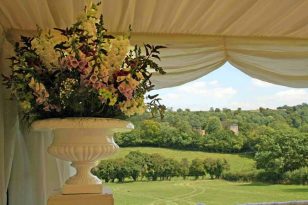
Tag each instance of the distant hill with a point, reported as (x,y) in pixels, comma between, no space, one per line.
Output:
(216,130)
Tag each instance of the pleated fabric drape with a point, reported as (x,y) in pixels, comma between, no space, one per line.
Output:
(279,61)
(258,18)
(28,174)
(267,39)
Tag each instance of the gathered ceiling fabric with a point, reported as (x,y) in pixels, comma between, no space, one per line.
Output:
(266,39)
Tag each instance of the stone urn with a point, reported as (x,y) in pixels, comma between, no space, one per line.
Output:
(83,141)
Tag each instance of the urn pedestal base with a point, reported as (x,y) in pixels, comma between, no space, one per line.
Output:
(81,199)
(82,189)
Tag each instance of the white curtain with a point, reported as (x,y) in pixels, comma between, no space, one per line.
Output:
(3,187)
(279,61)
(255,36)
(28,174)
(7,132)
(35,174)
(258,18)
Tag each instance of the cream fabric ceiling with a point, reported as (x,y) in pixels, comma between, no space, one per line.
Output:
(267,39)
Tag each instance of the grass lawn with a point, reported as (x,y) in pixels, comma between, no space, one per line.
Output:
(237,162)
(209,192)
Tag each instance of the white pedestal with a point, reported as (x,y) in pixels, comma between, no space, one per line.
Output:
(81,199)
(82,189)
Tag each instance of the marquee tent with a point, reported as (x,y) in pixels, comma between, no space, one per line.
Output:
(267,39)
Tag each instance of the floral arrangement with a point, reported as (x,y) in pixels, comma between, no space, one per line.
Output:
(82,71)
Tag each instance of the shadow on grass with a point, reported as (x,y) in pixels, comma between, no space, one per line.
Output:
(297,190)
(255,184)
(246,155)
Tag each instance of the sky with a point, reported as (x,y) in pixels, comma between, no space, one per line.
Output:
(228,87)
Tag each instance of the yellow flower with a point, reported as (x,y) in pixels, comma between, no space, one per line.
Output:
(133,106)
(44,46)
(32,83)
(121,78)
(25,105)
(139,76)
(104,92)
(113,100)
(89,26)
(117,49)
(133,83)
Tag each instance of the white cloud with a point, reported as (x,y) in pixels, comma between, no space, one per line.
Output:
(260,83)
(214,82)
(201,95)
(291,96)
(198,95)
(224,92)
(284,97)
(172,96)
(211,89)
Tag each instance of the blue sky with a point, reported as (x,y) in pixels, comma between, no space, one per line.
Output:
(228,87)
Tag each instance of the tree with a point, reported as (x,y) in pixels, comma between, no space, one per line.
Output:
(129,139)
(215,167)
(170,168)
(223,141)
(154,166)
(137,162)
(150,131)
(221,166)
(184,168)
(121,169)
(213,125)
(282,151)
(209,166)
(105,170)
(254,137)
(196,168)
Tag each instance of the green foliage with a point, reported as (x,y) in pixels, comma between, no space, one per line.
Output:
(137,165)
(269,176)
(184,168)
(223,141)
(247,176)
(282,151)
(271,137)
(238,162)
(215,167)
(196,168)
(298,176)
(181,129)
(213,125)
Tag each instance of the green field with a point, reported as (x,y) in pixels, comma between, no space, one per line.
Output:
(237,162)
(209,192)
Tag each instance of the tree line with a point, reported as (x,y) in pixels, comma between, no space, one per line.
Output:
(276,139)
(181,129)
(152,167)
